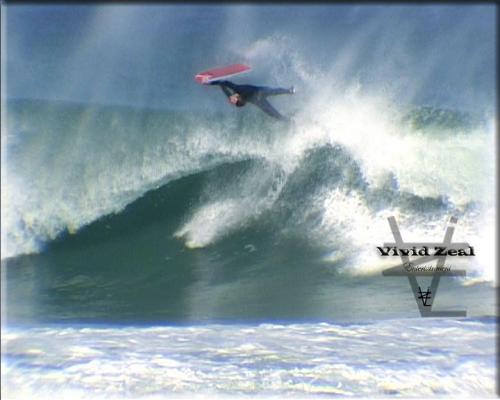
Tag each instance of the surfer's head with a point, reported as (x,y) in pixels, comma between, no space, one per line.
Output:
(237,100)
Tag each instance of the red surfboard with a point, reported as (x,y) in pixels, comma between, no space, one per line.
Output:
(219,73)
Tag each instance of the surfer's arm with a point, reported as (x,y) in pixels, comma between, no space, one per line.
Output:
(226,91)
(227,87)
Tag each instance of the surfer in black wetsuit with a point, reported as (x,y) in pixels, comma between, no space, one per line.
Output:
(239,95)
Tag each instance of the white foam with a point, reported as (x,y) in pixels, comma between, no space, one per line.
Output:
(211,221)
(421,357)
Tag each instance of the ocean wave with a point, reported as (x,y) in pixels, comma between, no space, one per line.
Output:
(337,174)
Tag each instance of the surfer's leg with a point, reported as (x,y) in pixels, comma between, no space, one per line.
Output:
(275,91)
(265,106)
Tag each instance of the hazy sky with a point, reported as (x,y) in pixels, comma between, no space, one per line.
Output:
(146,55)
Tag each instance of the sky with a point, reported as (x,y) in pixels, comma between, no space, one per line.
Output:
(146,55)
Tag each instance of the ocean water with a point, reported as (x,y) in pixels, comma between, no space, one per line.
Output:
(403,358)
(158,243)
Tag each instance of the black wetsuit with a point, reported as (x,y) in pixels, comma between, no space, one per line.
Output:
(256,95)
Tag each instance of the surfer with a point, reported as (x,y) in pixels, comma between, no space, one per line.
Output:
(239,95)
